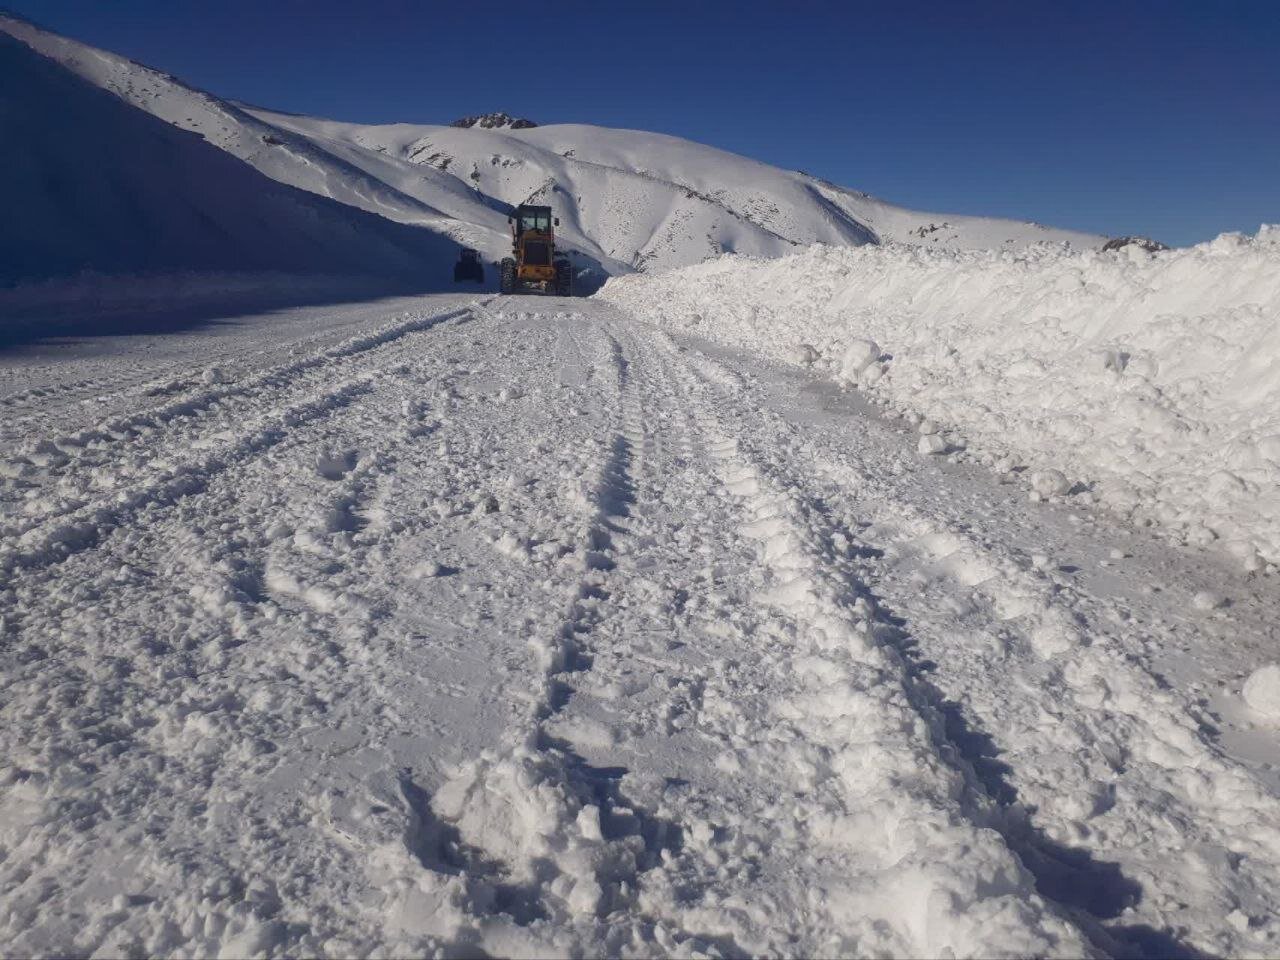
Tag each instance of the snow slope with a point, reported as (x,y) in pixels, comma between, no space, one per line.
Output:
(655,202)
(518,627)
(1151,380)
(148,198)
(628,200)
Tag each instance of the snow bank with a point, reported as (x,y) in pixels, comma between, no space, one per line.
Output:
(1149,382)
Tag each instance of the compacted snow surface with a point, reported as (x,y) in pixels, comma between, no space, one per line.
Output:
(522,627)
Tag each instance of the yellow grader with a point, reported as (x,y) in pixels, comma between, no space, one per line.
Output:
(535,266)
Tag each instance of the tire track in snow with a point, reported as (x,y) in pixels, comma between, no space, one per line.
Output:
(44,540)
(758,873)
(1099,766)
(93,456)
(1098,772)
(229,667)
(551,824)
(884,759)
(54,540)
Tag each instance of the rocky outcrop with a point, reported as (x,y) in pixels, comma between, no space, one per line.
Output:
(494,121)
(1145,243)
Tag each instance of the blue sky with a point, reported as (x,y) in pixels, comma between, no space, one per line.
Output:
(1148,117)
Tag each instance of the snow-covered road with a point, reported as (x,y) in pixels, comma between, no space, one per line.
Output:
(518,627)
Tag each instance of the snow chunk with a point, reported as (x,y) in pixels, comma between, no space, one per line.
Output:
(859,355)
(1208,600)
(1246,553)
(1049,483)
(1262,691)
(335,464)
(803,354)
(932,444)
(256,940)
(1056,633)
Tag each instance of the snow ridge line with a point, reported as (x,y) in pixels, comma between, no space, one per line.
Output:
(165,379)
(29,395)
(862,705)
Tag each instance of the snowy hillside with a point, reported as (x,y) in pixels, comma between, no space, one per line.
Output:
(628,200)
(1146,382)
(644,201)
(154,199)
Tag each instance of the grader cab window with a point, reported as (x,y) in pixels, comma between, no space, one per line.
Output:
(535,218)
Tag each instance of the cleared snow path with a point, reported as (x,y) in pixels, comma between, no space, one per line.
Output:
(517,627)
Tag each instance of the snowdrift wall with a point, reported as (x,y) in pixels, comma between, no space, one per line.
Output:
(90,183)
(1151,381)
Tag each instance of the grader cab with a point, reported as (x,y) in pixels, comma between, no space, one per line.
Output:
(534,266)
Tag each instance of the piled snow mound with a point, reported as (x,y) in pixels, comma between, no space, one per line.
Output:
(148,197)
(1151,382)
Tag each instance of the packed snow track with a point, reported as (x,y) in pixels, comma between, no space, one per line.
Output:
(518,627)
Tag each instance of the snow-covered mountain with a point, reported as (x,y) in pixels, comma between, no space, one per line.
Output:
(146,197)
(628,200)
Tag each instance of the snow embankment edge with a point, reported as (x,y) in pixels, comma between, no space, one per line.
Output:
(1150,382)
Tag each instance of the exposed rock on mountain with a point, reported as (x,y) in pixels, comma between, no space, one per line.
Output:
(1144,243)
(495,121)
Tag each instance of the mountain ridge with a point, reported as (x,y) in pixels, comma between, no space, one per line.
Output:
(628,200)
